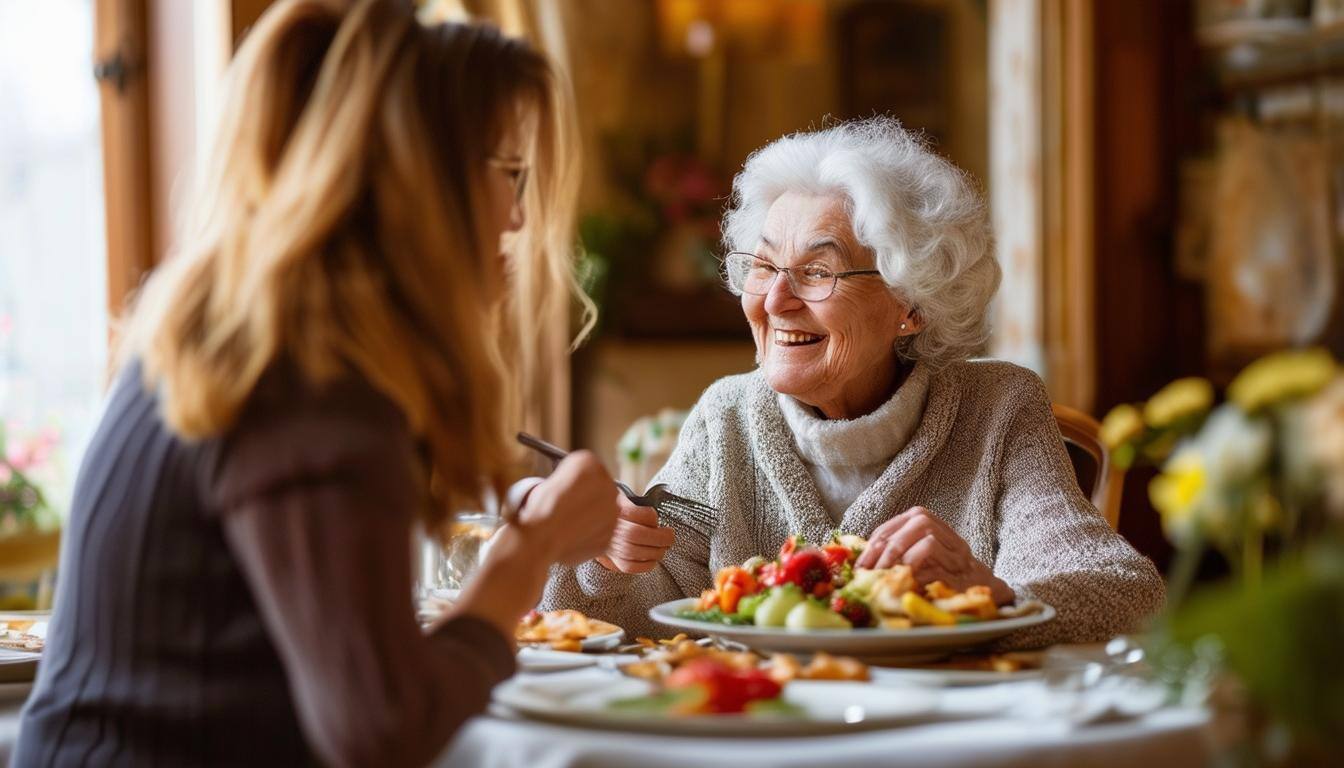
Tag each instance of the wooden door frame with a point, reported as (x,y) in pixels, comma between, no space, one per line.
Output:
(121,34)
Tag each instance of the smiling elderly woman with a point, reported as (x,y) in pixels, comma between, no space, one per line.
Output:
(865,266)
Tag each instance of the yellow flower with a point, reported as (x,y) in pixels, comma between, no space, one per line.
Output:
(1121,425)
(1178,491)
(1180,398)
(1281,376)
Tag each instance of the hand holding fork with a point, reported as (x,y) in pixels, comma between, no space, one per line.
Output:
(639,542)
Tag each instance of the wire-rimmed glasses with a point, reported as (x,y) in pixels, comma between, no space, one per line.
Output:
(814,281)
(517,170)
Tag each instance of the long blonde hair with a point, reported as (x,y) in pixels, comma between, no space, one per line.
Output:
(337,231)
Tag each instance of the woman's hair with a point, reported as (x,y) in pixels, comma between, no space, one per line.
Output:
(921,216)
(338,231)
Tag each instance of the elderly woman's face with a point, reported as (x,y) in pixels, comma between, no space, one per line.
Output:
(830,354)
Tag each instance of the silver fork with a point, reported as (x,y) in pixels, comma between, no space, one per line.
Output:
(701,516)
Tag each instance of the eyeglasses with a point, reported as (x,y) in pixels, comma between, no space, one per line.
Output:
(749,273)
(517,171)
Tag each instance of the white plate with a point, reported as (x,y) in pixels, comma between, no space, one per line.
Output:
(594,644)
(603,642)
(954,677)
(532,659)
(916,643)
(582,698)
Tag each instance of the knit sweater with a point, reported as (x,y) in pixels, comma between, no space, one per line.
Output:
(987,459)
(845,456)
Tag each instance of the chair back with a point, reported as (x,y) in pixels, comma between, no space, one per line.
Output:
(1082,430)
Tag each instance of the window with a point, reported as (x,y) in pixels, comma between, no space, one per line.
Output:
(53,272)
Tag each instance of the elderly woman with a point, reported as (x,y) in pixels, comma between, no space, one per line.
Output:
(866,269)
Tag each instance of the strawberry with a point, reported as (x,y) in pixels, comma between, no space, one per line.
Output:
(857,611)
(769,574)
(806,567)
(837,555)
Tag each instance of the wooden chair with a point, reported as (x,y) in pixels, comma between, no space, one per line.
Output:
(1082,430)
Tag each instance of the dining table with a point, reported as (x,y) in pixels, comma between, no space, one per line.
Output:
(1032,721)
(1027,720)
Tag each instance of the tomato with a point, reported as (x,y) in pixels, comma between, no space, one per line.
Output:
(727,689)
(708,599)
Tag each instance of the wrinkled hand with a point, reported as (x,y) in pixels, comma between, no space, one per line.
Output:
(638,543)
(933,551)
(573,511)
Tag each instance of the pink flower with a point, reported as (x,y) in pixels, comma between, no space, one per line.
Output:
(24,455)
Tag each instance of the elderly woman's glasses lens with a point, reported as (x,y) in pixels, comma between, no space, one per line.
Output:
(749,273)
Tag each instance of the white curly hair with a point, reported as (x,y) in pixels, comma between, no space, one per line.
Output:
(923,218)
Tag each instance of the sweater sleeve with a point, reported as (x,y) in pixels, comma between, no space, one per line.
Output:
(625,599)
(1055,547)
(318,511)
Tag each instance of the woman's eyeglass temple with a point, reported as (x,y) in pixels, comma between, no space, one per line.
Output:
(517,168)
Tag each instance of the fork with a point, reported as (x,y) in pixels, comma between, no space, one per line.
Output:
(702,516)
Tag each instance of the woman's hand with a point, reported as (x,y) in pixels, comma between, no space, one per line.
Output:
(573,511)
(638,543)
(933,551)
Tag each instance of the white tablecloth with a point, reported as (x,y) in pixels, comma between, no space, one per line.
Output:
(1167,737)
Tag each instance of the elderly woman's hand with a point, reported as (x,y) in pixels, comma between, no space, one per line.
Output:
(638,543)
(933,551)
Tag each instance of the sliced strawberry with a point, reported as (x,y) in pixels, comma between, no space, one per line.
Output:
(837,555)
(806,567)
(769,574)
(857,611)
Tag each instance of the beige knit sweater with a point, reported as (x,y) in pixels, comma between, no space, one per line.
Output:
(987,458)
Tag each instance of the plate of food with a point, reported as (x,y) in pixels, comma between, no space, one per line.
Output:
(688,688)
(814,598)
(22,637)
(567,630)
(967,669)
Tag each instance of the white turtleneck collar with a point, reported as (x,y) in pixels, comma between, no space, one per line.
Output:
(845,456)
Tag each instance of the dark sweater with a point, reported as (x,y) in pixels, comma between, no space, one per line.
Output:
(247,600)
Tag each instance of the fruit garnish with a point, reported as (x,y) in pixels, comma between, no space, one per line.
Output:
(855,610)
(812,614)
(732,584)
(778,602)
(806,567)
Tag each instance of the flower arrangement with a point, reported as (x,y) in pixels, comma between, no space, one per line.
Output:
(23,458)
(1258,479)
(658,227)
(30,532)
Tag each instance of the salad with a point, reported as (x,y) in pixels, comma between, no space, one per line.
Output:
(695,679)
(819,587)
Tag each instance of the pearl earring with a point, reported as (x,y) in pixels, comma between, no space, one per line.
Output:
(902,326)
